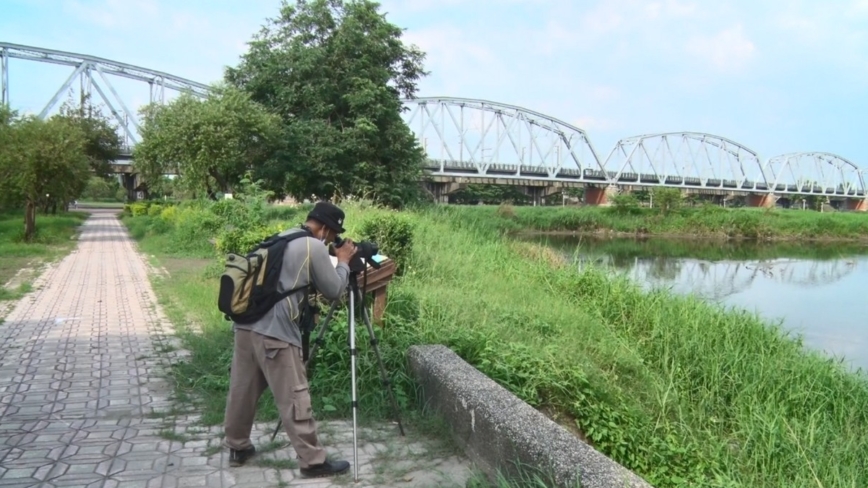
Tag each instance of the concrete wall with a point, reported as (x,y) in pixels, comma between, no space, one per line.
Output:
(497,429)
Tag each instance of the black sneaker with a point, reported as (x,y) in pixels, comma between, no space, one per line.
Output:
(328,468)
(237,458)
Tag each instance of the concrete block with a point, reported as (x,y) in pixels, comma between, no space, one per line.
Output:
(498,430)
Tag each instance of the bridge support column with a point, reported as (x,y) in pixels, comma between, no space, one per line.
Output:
(766,200)
(129,182)
(601,196)
(441,190)
(857,204)
(538,194)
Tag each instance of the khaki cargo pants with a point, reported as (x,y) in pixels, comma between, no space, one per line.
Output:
(259,361)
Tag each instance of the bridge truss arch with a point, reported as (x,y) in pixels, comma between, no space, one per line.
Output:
(466,137)
(685,160)
(94,73)
(819,173)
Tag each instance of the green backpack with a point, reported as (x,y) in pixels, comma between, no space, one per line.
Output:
(248,286)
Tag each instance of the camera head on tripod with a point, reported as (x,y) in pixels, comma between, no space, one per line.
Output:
(364,250)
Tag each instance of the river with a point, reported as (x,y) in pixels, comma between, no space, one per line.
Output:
(818,291)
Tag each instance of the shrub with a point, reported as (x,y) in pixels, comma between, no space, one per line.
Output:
(194,228)
(393,233)
(154,210)
(626,203)
(138,209)
(667,199)
(242,240)
(238,213)
(169,214)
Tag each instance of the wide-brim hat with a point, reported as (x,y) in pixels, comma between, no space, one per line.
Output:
(329,214)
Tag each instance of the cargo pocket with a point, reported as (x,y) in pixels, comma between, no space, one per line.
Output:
(301,403)
(273,346)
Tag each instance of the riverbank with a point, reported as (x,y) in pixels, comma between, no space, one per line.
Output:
(19,259)
(681,392)
(710,222)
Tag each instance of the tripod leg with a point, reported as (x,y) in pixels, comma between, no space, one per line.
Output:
(384,378)
(353,353)
(316,343)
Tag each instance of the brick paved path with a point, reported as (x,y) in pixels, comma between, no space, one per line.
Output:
(80,387)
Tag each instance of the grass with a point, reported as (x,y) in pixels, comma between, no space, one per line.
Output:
(682,392)
(54,238)
(708,221)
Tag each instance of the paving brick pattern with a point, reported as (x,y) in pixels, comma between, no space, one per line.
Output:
(82,398)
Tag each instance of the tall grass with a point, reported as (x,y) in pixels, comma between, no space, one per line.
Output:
(682,392)
(53,238)
(706,221)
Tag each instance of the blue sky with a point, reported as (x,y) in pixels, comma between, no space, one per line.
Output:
(775,76)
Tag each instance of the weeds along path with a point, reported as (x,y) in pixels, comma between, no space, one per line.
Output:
(83,402)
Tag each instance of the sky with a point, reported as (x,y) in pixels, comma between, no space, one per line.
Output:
(776,76)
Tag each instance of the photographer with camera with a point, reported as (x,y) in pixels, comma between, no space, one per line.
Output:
(268,351)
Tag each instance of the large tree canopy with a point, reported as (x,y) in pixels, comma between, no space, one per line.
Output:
(335,72)
(102,142)
(211,143)
(41,162)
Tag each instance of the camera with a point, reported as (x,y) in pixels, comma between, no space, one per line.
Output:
(364,250)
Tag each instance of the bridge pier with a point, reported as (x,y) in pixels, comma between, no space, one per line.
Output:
(857,204)
(766,200)
(129,183)
(538,194)
(441,190)
(597,195)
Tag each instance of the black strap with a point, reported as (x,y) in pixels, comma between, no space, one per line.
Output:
(305,324)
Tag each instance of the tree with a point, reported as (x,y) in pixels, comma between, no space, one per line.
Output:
(667,199)
(211,143)
(103,144)
(41,161)
(335,72)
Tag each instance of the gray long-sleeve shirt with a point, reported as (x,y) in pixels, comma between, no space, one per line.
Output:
(306,262)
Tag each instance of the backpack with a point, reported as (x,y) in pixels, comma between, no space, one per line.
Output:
(248,286)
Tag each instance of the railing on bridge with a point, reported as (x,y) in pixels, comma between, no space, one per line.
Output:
(532,173)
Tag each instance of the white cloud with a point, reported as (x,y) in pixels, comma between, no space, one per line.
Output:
(728,51)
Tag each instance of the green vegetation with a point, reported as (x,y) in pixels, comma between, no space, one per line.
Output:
(210,143)
(53,238)
(706,221)
(682,392)
(313,110)
(45,164)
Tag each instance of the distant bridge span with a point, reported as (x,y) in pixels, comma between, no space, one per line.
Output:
(470,140)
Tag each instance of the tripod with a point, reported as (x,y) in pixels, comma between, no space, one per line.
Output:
(354,294)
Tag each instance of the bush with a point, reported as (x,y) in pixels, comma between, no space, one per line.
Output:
(393,233)
(155,210)
(242,240)
(194,228)
(238,213)
(138,209)
(169,214)
(626,203)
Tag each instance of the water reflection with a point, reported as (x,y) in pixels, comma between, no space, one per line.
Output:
(818,291)
(717,280)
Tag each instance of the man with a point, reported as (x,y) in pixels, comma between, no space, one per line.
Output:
(268,351)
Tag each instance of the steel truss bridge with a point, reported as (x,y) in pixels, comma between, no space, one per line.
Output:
(479,141)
